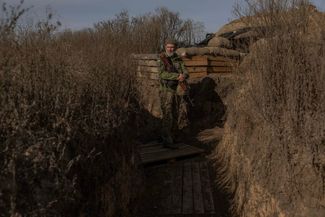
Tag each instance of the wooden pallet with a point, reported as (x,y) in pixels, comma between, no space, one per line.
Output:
(156,152)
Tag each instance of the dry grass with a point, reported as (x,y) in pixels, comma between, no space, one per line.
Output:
(67,114)
(272,152)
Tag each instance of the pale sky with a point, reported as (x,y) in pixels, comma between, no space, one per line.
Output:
(78,14)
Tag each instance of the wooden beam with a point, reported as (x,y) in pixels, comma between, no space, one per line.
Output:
(219,69)
(198,74)
(196,62)
(197,69)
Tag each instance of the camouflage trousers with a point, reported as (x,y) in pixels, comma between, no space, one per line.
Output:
(174,114)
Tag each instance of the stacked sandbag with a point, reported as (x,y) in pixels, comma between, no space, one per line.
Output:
(219,42)
(214,51)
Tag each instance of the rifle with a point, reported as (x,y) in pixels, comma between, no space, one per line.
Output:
(186,88)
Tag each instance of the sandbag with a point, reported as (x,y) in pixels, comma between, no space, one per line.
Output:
(219,42)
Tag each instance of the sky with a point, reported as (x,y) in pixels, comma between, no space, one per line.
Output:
(79,14)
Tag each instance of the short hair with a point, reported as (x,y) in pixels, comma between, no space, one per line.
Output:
(170,41)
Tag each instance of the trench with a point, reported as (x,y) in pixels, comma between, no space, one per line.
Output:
(187,186)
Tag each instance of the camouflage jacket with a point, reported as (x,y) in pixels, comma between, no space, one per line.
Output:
(170,68)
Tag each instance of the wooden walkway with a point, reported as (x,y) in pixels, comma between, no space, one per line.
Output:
(180,189)
(155,152)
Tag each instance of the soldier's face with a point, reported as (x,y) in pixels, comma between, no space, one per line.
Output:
(170,48)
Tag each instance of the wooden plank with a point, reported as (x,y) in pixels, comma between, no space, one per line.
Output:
(199,58)
(219,69)
(197,189)
(187,189)
(176,190)
(168,154)
(148,63)
(196,62)
(222,63)
(195,69)
(206,189)
(147,69)
(198,74)
(167,182)
(148,75)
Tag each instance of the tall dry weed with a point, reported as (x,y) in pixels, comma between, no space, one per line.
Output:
(67,111)
(273,148)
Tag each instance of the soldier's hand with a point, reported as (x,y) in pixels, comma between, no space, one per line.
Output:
(181,77)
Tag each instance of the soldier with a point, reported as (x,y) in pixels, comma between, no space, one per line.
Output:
(172,73)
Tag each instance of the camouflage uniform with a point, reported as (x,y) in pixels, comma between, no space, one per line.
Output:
(173,105)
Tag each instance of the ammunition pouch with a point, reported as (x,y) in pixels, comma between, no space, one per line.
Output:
(172,84)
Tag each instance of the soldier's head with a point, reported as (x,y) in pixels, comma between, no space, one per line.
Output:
(170,46)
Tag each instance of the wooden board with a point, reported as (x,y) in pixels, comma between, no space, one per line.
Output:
(207,190)
(196,62)
(198,74)
(197,189)
(157,153)
(187,189)
(197,69)
(219,69)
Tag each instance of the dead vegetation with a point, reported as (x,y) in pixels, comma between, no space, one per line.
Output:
(68,112)
(272,155)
